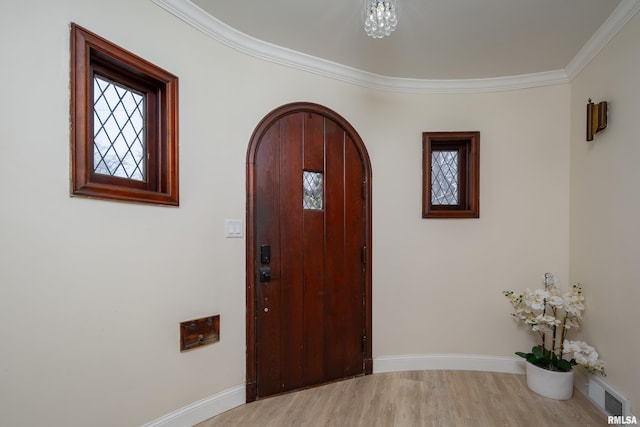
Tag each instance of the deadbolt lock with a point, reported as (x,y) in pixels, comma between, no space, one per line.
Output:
(265,274)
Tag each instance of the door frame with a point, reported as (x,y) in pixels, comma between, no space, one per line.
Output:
(251,282)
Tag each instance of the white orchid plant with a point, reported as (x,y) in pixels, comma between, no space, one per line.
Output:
(552,315)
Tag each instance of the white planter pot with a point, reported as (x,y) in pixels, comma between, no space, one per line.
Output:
(551,384)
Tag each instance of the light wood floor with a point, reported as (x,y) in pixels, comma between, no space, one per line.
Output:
(418,398)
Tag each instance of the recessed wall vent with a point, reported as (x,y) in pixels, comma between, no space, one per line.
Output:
(607,398)
(612,404)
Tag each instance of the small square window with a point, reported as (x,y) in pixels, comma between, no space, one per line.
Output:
(119,143)
(444,178)
(451,174)
(312,190)
(124,117)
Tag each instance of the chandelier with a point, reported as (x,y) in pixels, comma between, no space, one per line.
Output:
(380,17)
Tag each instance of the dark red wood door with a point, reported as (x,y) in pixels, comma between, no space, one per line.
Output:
(309,232)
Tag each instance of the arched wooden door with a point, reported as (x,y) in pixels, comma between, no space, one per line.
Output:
(308,251)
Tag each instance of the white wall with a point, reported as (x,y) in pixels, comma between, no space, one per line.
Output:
(438,283)
(605,226)
(92,294)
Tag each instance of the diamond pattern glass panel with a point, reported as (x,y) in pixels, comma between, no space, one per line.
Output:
(118,131)
(312,190)
(444,178)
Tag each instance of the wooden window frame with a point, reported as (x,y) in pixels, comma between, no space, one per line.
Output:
(91,55)
(467,144)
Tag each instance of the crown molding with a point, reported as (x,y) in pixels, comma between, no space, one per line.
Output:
(614,23)
(229,36)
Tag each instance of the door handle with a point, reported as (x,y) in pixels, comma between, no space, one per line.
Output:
(265,274)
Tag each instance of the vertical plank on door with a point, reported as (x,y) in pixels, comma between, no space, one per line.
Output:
(314,257)
(335,246)
(291,260)
(268,334)
(354,267)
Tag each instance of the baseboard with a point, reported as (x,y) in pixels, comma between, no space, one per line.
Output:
(228,399)
(202,410)
(453,362)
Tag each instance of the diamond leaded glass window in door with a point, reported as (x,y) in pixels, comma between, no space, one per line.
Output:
(119,147)
(312,190)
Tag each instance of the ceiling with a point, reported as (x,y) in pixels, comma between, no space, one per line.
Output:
(438,46)
(435,39)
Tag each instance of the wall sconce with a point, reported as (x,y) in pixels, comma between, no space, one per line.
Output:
(596,118)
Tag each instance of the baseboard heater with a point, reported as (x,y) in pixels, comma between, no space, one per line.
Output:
(607,398)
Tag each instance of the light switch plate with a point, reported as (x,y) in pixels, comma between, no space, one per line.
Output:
(234,228)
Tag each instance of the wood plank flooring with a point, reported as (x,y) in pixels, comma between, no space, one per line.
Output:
(417,398)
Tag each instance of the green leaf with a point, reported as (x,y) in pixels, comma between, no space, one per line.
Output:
(538,352)
(521,354)
(531,358)
(563,365)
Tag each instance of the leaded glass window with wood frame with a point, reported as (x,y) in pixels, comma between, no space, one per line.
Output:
(119,137)
(451,174)
(124,117)
(312,190)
